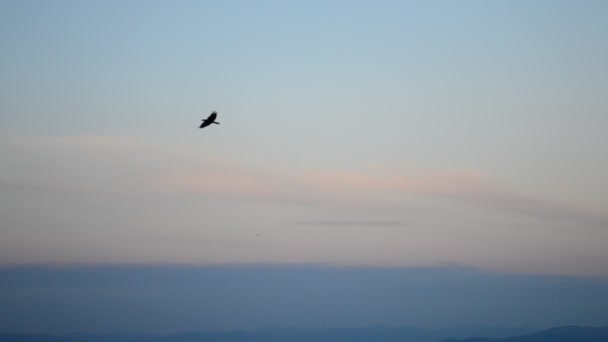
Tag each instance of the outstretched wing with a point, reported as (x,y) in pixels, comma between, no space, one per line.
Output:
(208,121)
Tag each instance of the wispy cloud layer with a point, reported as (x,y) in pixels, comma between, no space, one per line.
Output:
(467,187)
(114,199)
(216,177)
(350,223)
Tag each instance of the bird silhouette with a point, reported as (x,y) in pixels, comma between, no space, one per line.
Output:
(210,120)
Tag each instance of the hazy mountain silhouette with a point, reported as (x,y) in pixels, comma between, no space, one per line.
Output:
(373,333)
(37,338)
(377,333)
(559,334)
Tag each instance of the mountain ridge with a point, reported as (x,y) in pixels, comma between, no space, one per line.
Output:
(371,333)
(556,334)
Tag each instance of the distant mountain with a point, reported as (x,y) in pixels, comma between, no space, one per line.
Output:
(368,334)
(36,338)
(373,333)
(560,334)
(379,333)
(376,333)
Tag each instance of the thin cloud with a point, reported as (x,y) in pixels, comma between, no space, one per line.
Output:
(345,187)
(349,223)
(229,184)
(534,207)
(467,186)
(81,141)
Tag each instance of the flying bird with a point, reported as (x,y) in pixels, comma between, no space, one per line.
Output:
(210,120)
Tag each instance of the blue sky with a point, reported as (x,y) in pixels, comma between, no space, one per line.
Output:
(407,133)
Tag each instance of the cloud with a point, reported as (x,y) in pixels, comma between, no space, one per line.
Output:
(84,142)
(323,185)
(464,186)
(101,164)
(440,182)
(99,167)
(233,183)
(350,223)
(68,195)
(529,205)
(468,187)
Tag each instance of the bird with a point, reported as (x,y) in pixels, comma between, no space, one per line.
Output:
(210,120)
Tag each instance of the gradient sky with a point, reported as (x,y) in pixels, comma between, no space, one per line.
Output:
(379,133)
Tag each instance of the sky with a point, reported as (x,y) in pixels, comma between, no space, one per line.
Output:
(390,133)
(423,163)
(381,134)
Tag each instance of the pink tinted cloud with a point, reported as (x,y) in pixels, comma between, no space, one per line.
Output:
(82,141)
(218,183)
(348,187)
(434,182)
(457,186)
(322,185)
(222,181)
